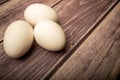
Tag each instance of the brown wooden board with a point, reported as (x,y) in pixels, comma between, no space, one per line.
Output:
(98,58)
(76,18)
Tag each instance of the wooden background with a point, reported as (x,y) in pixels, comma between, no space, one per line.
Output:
(92,28)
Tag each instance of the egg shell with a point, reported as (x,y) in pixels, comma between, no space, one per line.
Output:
(36,12)
(49,35)
(18,38)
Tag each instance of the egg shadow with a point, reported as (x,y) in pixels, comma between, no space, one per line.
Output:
(30,51)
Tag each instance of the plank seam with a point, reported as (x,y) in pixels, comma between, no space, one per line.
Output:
(62,60)
(3,1)
(56,3)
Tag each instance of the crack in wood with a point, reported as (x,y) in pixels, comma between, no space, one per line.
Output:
(68,62)
(53,5)
(3,1)
(80,41)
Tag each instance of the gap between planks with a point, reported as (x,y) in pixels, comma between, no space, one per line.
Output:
(108,45)
(60,62)
(3,1)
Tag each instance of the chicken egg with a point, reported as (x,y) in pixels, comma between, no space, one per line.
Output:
(36,12)
(50,35)
(18,38)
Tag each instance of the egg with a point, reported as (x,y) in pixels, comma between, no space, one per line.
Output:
(49,35)
(18,38)
(36,12)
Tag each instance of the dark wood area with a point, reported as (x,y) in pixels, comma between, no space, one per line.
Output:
(92,28)
(3,1)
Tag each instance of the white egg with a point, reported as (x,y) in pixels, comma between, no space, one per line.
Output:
(18,38)
(34,13)
(49,35)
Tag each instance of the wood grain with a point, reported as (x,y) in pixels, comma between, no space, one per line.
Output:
(77,31)
(98,58)
(76,18)
(13,5)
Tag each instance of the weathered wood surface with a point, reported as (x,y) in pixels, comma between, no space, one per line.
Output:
(77,18)
(98,58)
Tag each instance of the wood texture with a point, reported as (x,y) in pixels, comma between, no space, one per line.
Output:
(79,26)
(76,18)
(98,58)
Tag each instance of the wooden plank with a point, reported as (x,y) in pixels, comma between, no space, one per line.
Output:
(37,63)
(79,28)
(11,5)
(98,58)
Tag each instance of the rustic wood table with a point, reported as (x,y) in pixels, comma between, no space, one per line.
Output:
(92,52)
